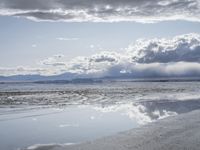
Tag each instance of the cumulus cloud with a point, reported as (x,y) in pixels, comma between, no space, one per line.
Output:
(97,63)
(53,61)
(180,48)
(175,57)
(179,56)
(102,10)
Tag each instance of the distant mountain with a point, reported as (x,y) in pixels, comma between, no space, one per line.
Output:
(72,81)
(27,78)
(76,78)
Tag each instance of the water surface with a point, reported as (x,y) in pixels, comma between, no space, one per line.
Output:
(72,113)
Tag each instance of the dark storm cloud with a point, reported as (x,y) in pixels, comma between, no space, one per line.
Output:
(103,10)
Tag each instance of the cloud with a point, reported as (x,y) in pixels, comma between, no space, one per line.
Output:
(175,57)
(68,125)
(67,39)
(102,10)
(28,70)
(21,70)
(53,61)
(105,57)
(177,69)
(92,46)
(180,48)
(33,45)
(94,64)
(179,56)
(59,56)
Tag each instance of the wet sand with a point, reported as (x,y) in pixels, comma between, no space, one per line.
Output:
(180,132)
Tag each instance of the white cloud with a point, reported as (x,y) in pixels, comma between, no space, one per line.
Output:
(103,11)
(97,63)
(175,69)
(180,48)
(33,45)
(178,56)
(53,61)
(92,117)
(157,57)
(67,39)
(92,46)
(21,70)
(59,56)
(68,125)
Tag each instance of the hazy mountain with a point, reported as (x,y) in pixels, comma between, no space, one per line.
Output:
(65,76)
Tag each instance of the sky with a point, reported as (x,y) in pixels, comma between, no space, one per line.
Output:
(99,37)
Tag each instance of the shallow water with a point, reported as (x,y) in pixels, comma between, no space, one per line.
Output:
(73,124)
(48,113)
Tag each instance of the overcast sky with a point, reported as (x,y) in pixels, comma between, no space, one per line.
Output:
(51,34)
